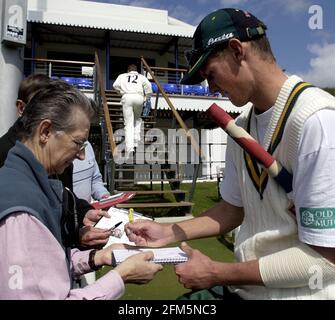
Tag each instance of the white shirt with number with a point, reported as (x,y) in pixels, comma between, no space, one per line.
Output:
(132,82)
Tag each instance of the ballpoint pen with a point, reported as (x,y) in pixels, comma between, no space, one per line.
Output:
(116,232)
(116,225)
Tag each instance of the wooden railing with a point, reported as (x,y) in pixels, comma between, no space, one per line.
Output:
(101,87)
(194,143)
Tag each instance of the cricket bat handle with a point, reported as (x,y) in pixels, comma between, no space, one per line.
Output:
(251,146)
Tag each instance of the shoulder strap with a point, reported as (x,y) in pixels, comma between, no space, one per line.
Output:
(258,177)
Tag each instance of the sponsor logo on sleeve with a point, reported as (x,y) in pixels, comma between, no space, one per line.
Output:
(317,218)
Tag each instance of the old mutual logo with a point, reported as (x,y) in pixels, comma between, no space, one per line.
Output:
(307,217)
(317,218)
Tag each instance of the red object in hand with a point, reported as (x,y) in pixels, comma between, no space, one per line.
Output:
(243,138)
(113,200)
(251,146)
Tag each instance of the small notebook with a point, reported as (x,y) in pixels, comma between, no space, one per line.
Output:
(173,255)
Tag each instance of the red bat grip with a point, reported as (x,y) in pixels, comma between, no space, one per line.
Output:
(250,145)
(243,138)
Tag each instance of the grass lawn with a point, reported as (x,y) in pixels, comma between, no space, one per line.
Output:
(204,197)
(165,285)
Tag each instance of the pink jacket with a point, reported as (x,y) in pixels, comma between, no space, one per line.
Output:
(32,265)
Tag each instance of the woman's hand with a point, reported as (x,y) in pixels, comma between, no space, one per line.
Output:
(104,256)
(93,216)
(135,269)
(138,268)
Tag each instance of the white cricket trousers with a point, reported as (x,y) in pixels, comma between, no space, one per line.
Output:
(132,106)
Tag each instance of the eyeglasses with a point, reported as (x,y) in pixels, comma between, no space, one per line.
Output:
(80,145)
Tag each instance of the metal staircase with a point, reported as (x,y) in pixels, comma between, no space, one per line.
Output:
(157,185)
(142,177)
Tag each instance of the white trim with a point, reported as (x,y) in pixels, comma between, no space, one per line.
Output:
(107,16)
(193,103)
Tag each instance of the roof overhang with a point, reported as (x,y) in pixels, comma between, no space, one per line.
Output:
(87,14)
(199,104)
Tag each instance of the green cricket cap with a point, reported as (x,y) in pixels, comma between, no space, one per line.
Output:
(217,28)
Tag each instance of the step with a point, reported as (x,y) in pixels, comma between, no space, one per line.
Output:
(153,161)
(113,96)
(117,122)
(153,192)
(153,170)
(112,93)
(138,150)
(117,126)
(146,123)
(119,113)
(152,180)
(155,204)
(145,149)
(146,144)
(140,166)
(115,110)
(112,103)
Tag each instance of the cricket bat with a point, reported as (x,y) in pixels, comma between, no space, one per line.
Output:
(251,146)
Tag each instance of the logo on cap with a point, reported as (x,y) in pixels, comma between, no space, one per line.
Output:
(225,36)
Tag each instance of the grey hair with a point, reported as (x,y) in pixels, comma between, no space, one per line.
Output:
(56,102)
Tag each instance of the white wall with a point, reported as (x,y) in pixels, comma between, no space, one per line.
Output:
(216,140)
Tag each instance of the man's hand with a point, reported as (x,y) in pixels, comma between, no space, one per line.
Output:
(147,107)
(93,216)
(197,272)
(148,233)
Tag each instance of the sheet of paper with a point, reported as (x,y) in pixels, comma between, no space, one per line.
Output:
(116,216)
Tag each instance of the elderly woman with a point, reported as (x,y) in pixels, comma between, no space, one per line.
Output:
(34,263)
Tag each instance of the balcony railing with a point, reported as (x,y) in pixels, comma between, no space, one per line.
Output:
(170,81)
(77,73)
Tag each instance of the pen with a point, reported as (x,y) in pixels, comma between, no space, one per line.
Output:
(114,227)
(130,215)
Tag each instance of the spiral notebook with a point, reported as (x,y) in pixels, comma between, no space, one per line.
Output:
(173,255)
